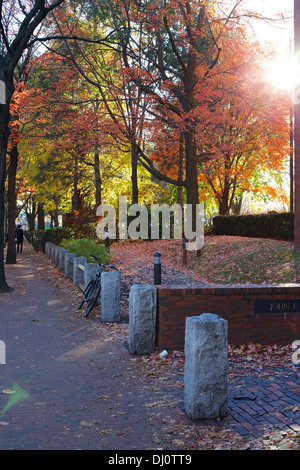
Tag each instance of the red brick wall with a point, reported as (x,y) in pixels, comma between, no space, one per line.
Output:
(236,305)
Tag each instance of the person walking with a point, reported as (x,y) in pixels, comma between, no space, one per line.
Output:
(20,236)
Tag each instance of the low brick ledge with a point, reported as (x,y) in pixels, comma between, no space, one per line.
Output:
(234,303)
(231,289)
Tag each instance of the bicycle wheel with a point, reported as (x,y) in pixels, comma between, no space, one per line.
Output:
(92,299)
(86,292)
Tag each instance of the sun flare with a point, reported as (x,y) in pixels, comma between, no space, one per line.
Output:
(283,73)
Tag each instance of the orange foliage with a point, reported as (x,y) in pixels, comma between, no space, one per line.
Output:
(242,124)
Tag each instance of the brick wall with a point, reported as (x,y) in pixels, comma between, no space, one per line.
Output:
(236,305)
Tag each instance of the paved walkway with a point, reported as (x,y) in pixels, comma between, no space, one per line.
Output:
(68,384)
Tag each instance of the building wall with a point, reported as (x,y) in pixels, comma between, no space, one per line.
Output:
(265,315)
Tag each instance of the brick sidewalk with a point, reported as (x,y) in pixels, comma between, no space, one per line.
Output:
(76,388)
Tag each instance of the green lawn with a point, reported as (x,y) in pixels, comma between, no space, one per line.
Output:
(232,260)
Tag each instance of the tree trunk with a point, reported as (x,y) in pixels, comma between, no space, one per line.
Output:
(134,178)
(191,173)
(4,132)
(223,206)
(11,255)
(15,40)
(41,216)
(188,102)
(55,217)
(75,185)
(31,222)
(98,181)
(31,215)
(180,172)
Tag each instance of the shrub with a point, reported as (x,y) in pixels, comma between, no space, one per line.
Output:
(272,225)
(83,222)
(86,247)
(55,235)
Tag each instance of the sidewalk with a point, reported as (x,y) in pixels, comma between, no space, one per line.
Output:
(69,383)
(73,388)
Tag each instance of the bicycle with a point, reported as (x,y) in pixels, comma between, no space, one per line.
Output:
(92,291)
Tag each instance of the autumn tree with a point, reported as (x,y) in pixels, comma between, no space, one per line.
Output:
(156,65)
(21,77)
(172,64)
(18,22)
(100,64)
(57,117)
(179,48)
(145,61)
(74,155)
(248,131)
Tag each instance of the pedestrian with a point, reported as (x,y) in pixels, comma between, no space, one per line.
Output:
(19,235)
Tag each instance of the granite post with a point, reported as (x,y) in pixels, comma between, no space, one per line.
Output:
(78,274)
(90,271)
(110,296)
(62,255)
(205,371)
(142,319)
(53,251)
(47,248)
(69,257)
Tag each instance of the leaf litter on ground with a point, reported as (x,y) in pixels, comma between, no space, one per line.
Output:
(135,261)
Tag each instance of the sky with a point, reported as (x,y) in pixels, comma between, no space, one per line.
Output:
(277,33)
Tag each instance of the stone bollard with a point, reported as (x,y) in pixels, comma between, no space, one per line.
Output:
(50,248)
(205,371)
(69,257)
(110,296)
(62,255)
(142,319)
(47,248)
(78,274)
(53,251)
(89,272)
(58,249)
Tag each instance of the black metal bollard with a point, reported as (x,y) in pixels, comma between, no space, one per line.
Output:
(107,242)
(184,251)
(157,268)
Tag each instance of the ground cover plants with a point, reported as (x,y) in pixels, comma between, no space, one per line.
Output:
(86,247)
(242,260)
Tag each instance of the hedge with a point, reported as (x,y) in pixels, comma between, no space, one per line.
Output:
(86,247)
(272,225)
(54,235)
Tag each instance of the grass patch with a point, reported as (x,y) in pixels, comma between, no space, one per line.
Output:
(239,260)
